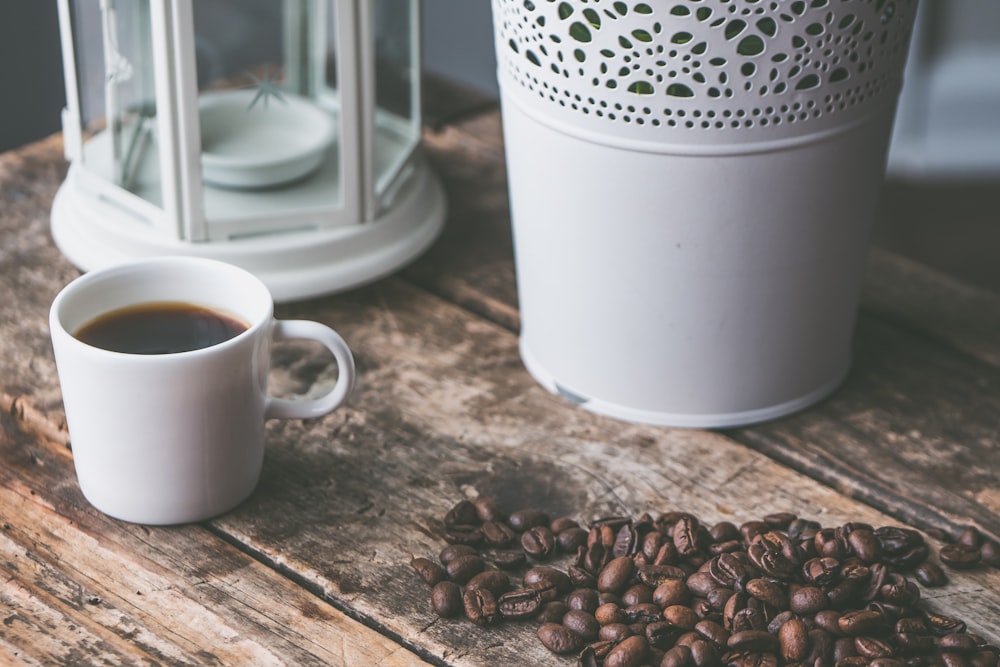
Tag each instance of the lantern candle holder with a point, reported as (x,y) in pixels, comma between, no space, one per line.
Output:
(282,136)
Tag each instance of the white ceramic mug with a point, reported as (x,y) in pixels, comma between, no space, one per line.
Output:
(179,437)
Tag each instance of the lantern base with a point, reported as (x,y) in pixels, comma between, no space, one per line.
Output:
(295,265)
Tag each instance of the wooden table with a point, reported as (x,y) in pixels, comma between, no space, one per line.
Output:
(314,568)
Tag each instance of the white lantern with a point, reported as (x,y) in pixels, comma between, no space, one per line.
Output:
(279,135)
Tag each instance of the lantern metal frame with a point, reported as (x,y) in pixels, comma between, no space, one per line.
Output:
(300,251)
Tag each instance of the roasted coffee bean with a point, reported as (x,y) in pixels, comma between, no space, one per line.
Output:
(494,581)
(940,625)
(768,591)
(446,599)
(678,656)
(497,533)
(958,642)
(700,583)
(656,574)
(771,562)
(463,568)
(864,545)
(616,574)
(830,544)
(610,612)
(704,652)
(637,594)
(872,647)
(820,646)
(631,652)
(559,639)
(489,509)
(544,576)
(463,534)
(793,639)
(581,578)
(712,631)
(780,591)
(453,551)
(626,541)
(538,542)
(582,623)
(570,539)
(775,622)
(887,662)
(960,556)
(861,622)
(685,536)
(930,575)
(584,599)
(642,613)
(821,571)
(913,624)
(522,603)
(660,635)
(827,620)
(671,592)
(462,513)
(779,520)
(551,611)
(616,631)
(843,648)
(970,537)
(505,559)
(480,606)
(727,570)
(911,643)
(895,540)
(757,641)
(989,553)
(750,530)
(748,619)
(650,545)
(562,523)
(681,617)
(428,570)
(898,591)
(522,520)
(807,600)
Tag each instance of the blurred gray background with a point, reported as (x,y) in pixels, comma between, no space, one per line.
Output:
(457,45)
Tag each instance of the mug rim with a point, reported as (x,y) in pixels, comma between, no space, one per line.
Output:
(118,272)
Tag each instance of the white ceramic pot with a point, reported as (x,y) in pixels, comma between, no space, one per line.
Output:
(692,188)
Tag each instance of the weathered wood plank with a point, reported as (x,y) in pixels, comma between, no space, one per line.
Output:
(916,297)
(913,431)
(443,408)
(79,587)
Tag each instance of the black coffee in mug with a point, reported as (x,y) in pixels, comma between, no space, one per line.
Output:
(162,327)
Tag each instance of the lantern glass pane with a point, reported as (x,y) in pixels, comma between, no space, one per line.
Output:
(397,114)
(269,115)
(114,56)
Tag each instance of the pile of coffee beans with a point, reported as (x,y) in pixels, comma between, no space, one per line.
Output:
(671,591)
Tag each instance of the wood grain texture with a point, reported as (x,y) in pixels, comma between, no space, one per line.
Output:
(81,588)
(443,410)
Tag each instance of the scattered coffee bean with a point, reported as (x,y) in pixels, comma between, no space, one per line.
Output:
(446,599)
(559,639)
(671,591)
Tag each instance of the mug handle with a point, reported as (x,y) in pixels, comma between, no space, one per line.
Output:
(284,408)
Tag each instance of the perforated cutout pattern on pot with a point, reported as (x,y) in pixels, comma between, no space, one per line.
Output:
(707,71)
